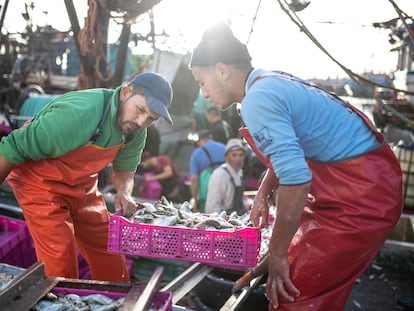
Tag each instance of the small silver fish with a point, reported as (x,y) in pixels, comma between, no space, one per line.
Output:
(186,207)
(148,207)
(97,299)
(166,221)
(235,222)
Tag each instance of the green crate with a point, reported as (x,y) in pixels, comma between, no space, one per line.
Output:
(145,267)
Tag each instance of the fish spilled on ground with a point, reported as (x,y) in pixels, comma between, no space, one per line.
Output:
(5,279)
(165,213)
(73,302)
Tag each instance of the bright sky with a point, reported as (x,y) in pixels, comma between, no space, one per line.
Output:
(275,43)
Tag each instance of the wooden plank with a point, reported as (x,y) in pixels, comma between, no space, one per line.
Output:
(146,296)
(235,300)
(26,289)
(184,283)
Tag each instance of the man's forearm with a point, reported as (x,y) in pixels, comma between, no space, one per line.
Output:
(269,182)
(194,186)
(123,181)
(290,204)
(167,172)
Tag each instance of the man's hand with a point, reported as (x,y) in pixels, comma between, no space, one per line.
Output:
(290,204)
(124,202)
(279,282)
(260,208)
(123,182)
(260,211)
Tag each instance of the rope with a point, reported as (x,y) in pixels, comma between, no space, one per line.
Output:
(91,44)
(254,20)
(353,76)
(399,12)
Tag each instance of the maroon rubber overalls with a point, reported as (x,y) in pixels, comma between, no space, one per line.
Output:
(64,212)
(355,205)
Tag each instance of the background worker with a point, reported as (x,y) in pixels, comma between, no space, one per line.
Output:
(53,161)
(209,154)
(166,173)
(153,141)
(225,188)
(220,129)
(338,181)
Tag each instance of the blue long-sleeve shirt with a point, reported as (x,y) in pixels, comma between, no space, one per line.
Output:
(291,122)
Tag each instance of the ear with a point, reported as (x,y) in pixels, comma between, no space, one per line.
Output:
(124,93)
(222,71)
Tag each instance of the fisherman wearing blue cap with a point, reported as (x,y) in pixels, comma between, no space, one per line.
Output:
(52,164)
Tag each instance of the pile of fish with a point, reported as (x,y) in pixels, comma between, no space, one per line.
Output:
(5,279)
(165,213)
(73,302)
(7,274)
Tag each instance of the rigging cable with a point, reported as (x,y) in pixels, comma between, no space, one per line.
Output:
(354,77)
(400,12)
(254,20)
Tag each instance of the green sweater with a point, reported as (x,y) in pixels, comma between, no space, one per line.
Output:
(67,123)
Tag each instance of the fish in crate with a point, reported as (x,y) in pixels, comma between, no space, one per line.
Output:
(165,230)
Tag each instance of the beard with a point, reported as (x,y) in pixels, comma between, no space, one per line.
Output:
(126,126)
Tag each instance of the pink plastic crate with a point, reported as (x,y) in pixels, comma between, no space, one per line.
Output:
(162,300)
(16,244)
(237,249)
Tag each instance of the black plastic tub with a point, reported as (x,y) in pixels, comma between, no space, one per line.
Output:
(214,290)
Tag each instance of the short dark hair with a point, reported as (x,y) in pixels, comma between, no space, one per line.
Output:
(145,156)
(203,134)
(243,65)
(219,45)
(136,89)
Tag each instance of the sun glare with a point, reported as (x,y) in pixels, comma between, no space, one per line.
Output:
(191,18)
(344,28)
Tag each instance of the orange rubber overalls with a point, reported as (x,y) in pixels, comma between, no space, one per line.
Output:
(64,212)
(355,205)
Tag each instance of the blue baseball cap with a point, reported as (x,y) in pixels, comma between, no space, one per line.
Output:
(158,93)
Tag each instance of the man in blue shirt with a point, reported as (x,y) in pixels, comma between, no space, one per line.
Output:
(209,153)
(334,180)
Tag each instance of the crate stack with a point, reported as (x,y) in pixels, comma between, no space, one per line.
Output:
(16,244)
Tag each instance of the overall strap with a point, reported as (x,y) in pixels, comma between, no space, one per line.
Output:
(231,176)
(211,163)
(237,197)
(307,83)
(342,102)
(207,153)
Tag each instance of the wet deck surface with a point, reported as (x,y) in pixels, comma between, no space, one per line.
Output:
(379,290)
